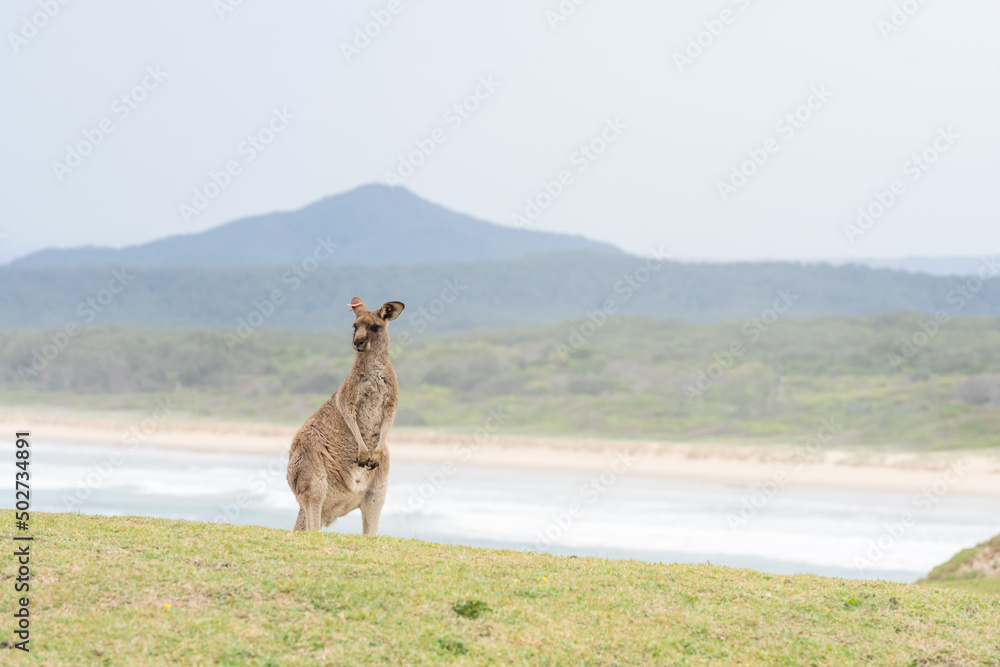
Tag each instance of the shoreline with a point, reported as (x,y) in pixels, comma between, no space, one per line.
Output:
(966,473)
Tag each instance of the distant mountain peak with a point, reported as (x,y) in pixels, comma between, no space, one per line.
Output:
(372,225)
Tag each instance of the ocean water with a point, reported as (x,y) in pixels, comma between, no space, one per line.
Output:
(797,530)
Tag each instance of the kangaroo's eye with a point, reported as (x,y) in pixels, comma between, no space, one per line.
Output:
(374,328)
(354,326)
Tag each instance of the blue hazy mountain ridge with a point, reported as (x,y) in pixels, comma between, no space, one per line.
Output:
(371,225)
(446,296)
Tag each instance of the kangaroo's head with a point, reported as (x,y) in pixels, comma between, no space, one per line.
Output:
(369,327)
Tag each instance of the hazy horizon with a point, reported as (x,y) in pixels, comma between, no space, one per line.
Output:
(198,81)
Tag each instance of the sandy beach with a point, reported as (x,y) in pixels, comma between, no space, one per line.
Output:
(964,472)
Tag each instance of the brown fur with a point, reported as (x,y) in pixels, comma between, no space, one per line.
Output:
(339,461)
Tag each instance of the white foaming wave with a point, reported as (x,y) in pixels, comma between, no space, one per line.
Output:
(183,482)
(279,499)
(159,472)
(831,541)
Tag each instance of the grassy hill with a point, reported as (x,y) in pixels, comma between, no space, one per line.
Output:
(139,591)
(975,569)
(631,378)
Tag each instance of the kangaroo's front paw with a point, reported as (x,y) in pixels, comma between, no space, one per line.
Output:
(367,462)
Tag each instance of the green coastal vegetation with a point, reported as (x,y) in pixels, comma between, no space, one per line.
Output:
(894,381)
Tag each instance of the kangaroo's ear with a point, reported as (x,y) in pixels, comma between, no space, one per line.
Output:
(390,310)
(358,306)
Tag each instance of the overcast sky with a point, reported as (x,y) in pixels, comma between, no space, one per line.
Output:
(679,123)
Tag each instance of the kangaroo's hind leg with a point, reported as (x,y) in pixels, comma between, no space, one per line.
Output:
(307,479)
(310,491)
(371,509)
(311,510)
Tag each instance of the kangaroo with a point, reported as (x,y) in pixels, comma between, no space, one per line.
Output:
(338,460)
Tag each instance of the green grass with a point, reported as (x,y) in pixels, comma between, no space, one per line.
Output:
(973,585)
(256,596)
